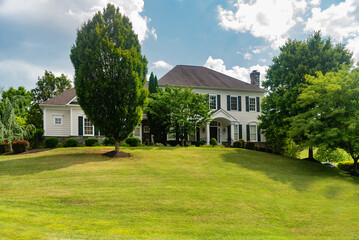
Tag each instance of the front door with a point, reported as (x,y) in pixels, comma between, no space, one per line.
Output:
(213,133)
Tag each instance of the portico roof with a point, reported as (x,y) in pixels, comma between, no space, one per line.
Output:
(221,113)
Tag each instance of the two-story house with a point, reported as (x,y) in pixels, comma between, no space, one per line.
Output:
(236,106)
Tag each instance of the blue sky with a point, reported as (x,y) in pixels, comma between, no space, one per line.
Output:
(230,36)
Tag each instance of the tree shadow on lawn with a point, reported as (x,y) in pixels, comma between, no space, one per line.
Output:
(55,159)
(301,174)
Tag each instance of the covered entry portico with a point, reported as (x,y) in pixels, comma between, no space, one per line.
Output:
(223,127)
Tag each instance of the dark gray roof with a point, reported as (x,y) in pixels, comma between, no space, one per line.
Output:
(195,76)
(62,99)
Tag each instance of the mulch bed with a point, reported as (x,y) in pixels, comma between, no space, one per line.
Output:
(28,152)
(114,154)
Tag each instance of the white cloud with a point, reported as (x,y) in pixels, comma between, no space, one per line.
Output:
(269,19)
(67,15)
(248,56)
(162,64)
(353,45)
(237,72)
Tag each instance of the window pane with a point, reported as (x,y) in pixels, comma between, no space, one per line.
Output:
(137,132)
(234,103)
(58,121)
(253,133)
(236,132)
(212,101)
(88,127)
(252,104)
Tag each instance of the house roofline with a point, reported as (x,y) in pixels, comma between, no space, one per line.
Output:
(215,88)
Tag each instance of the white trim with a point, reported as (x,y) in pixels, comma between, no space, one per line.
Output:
(140,136)
(83,126)
(44,119)
(58,117)
(230,102)
(71,127)
(71,101)
(215,101)
(249,103)
(256,133)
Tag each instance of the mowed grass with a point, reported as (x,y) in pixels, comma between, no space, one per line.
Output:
(174,193)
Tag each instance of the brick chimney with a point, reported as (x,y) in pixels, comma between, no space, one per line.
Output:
(255,78)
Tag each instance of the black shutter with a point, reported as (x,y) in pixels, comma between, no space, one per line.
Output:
(247,104)
(218,101)
(258,104)
(248,133)
(259,134)
(240,136)
(229,133)
(81,122)
(96,132)
(198,134)
(228,102)
(239,103)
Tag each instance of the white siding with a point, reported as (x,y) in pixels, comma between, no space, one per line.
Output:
(76,112)
(57,130)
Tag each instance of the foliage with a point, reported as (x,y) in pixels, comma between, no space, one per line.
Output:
(239,143)
(37,138)
(332,122)
(22,99)
(133,141)
(49,86)
(213,142)
(35,116)
(70,142)
(346,166)
(90,141)
(177,110)
(20,146)
(285,78)
(51,142)
(331,155)
(198,143)
(109,141)
(110,74)
(5,147)
(250,145)
(10,130)
(153,83)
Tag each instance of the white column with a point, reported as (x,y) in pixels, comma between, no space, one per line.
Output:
(44,124)
(207,134)
(232,132)
(71,130)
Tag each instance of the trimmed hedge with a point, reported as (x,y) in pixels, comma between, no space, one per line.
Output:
(91,142)
(51,142)
(37,139)
(250,145)
(20,146)
(70,142)
(4,147)
(213,142)
(109,141)
(133,141)
(346,166)
(239,143)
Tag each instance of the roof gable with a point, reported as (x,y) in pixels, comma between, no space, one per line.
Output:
(61,99)
(196,76)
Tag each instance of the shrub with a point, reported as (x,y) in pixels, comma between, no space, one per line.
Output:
(70,142)
(158,144)
(109,141)
(4,147)
(91,141)
(346,166)
(250,145)
(133,141)
(198,143)
(20,146)
(213,142)
(37,139)
(97,144)
(270,150)
(332,155)
(51,142)
(239,143)
(256,147)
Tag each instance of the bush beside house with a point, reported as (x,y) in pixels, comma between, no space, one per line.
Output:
(51,142)
(4,147)
(20,146)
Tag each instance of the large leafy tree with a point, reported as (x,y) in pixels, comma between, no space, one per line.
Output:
(110,73)
(332,120)
(22,98)
(178,110)
(49,86)
(286,76)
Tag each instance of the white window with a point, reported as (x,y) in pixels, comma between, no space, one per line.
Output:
(236,135)
(137,132)
(171,136)
(213,101)
(253,133)
(252,104)
(89,128)
(234,103)
(146,129)
(58,120)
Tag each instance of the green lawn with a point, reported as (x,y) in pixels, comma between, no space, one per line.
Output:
(174,193)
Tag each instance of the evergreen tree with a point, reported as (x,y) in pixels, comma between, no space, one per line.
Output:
(153,83)
(110,74)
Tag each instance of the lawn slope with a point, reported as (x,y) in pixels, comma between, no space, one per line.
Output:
(174,193)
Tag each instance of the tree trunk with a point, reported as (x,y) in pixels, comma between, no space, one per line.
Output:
(310,154)
(355,165)
(182,142)
(117,145)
